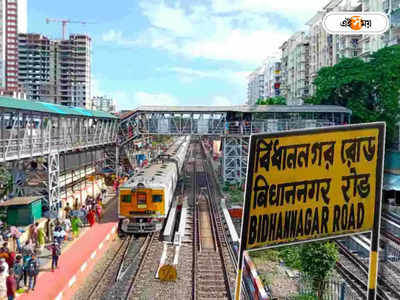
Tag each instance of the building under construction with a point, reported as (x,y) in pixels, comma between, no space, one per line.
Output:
(55,71)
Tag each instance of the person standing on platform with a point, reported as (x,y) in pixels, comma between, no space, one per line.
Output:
(3,284)
(33,231)
(16,234)
(4,264)
(27,249)
(67,210)
(11,285)
(91,217)
(83,214)
(75,223)
(18,271)
(11,259)
(76,204)
(67,228)
(55,254)
(98,211)
(33,271)
(41,239)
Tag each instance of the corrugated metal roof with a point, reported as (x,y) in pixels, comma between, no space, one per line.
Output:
(20,201)
(12,103)
(247,108)
(391,182)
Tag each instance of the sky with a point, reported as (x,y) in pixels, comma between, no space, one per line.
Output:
(181,52)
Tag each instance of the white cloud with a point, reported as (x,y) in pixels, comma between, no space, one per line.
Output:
(227,30)
(188,74)
(221,101)
(143,98)
(117,37)
(295,10)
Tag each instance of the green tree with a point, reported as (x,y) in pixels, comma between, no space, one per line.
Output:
(317,261)
(370,89)
(277,100)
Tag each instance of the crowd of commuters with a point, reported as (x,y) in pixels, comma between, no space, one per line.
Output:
(19,269)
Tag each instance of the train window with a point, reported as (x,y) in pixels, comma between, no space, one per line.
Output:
(157,198)
(126,198)
(141,200)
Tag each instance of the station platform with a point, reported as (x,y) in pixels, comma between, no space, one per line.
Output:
(77,258)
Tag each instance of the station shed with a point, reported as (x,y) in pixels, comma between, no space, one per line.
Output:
(23,211)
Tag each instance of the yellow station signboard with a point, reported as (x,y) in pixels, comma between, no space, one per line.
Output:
(314,184)
(305,185)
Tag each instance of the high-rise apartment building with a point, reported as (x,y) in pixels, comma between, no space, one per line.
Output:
(295,68)
(72,69)
(56,71)
(327,49)
(13,20)
(103,103)
(265,81)
(256,84)
(272,77)
(34,67)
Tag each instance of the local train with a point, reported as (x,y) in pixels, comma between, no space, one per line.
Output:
(146,197)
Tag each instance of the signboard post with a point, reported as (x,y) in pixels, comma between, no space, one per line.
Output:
(315,184)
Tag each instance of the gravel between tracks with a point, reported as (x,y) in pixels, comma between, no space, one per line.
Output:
(97,271)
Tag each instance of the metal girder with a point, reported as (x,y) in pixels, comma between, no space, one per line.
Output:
(53,168)
(30,134)
(204,123)
(235,151)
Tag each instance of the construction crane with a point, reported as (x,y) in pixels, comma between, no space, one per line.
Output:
(64,23)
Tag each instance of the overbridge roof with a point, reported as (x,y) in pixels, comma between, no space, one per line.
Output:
(29,105)
(246,108)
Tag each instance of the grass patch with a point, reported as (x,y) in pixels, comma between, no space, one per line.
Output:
(262,255)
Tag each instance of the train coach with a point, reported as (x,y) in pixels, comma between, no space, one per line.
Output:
(145,199)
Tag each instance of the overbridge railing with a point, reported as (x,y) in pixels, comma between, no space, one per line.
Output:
(170,126)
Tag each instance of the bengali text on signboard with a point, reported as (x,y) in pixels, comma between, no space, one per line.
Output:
(307,185)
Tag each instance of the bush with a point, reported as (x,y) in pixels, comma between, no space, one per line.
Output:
(291,256)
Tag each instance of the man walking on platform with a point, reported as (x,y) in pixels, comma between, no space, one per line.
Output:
(55,254)
(33,271)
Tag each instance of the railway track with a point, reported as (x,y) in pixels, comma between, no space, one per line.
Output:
(116,286)
(148,250)
(213,270)
(112,271)
(387,286)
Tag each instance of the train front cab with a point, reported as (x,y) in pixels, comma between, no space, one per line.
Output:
(141,210)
